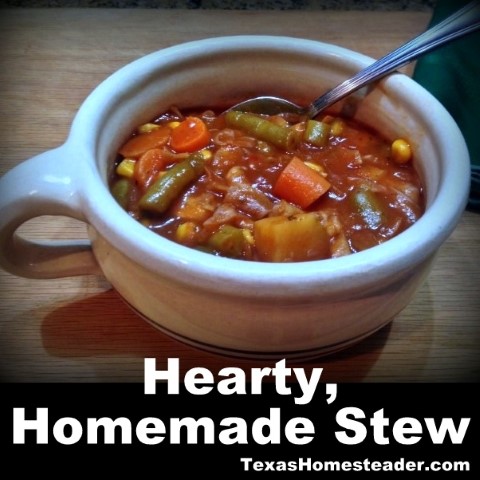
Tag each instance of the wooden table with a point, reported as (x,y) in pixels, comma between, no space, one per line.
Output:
(78,329)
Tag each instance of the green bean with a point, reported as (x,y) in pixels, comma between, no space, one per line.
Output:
(121,191)
(262,129)
(316,133)
(166,189)
(229,241)
(369,207)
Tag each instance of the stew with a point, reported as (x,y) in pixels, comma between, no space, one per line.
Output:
(264,188)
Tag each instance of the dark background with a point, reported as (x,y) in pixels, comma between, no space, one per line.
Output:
(414,5)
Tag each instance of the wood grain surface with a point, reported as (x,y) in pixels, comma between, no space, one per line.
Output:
(78,329)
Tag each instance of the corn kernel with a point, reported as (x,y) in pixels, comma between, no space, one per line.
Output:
(206,154)
(173,124)
(401,151)
(247,235)
(147,127)
(126,167)
(314,166)
(264,147)
(337,127)
(185,232)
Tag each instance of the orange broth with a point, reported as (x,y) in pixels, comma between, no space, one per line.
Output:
(329,188)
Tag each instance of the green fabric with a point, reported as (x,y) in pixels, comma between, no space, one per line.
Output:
(452,74)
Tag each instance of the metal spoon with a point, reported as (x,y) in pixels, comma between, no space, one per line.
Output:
(465,20)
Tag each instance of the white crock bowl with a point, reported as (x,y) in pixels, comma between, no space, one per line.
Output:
(233,306)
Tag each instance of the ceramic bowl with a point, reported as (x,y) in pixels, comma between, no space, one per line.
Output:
(252,309)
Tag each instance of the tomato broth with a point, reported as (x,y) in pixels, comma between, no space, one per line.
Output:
(267,188)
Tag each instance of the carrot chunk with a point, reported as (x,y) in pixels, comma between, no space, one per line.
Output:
(139,144)
(149,165)
(300,184)
(191,135)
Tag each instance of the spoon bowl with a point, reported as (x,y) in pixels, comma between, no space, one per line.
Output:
(460,23)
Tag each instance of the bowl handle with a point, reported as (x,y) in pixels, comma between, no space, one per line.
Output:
(39,186)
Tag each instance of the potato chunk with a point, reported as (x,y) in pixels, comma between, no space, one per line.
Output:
(291,239)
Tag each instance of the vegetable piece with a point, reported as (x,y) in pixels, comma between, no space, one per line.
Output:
(196,208)
(139,144)
(206,154)
(126,167)
(291,239)
(316,133)
(337,127)
(401,151)
(262,129)
(149,165)
(300,184)
(186,232)
(315,166)
(230,241)
(369,207)
(148,127)
(190,135)
(121,191)
(166,189)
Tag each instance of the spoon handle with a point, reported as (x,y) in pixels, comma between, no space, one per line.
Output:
(464,21)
